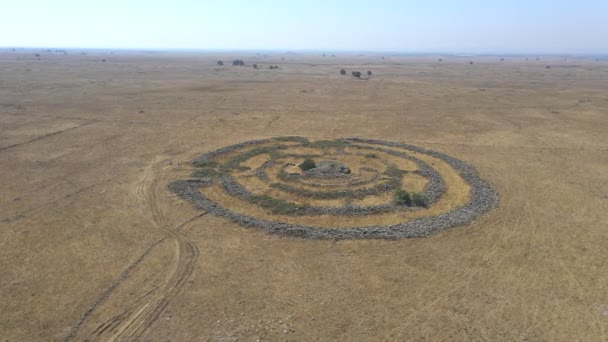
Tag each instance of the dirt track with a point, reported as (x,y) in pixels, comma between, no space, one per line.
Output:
(131,323)
(93,245)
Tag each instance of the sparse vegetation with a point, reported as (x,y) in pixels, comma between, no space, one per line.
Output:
(356,74)
(220,63)
(255,66)
(198,163)
(393,171)
(370,155)
(130,176)
(207,172)
(238,62)
(369,73)
(276,206)
(342,72)
(307,164)
(207,169)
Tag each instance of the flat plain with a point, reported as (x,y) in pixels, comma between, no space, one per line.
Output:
(93,245)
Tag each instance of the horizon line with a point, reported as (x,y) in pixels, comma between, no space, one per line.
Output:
(462,53)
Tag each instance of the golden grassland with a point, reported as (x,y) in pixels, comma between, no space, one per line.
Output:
(88,227)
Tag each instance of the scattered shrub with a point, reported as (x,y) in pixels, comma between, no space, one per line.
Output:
(255,66)
(402,197)
(238,62)
(307,164)
(356,74)
(369,73)
(420,200)
(370,155)
(220,63)
(342,72)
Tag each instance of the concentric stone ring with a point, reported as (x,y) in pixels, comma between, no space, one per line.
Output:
(353,190)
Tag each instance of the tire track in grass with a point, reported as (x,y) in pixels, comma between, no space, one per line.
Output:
(132,321)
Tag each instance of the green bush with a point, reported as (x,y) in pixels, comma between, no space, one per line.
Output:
(370,155)
(420,200)
(402,197)
(307,164)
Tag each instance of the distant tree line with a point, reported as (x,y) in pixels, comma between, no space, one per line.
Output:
(240,62)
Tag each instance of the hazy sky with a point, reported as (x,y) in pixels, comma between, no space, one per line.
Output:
(469,26)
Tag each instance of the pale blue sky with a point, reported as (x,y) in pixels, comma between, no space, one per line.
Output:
(468,26)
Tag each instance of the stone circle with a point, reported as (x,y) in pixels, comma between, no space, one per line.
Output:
(349,194)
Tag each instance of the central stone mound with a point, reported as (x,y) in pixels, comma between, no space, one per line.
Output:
(327,169)
(336,189)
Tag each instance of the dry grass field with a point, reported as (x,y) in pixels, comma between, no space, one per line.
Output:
(93,245)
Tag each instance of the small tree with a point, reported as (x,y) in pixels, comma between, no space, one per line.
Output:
(369,73)
(402,197)
(238,62)
(255,66)
(356,74)
(271,67)
(307,164)
(342,72)
(220,63)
